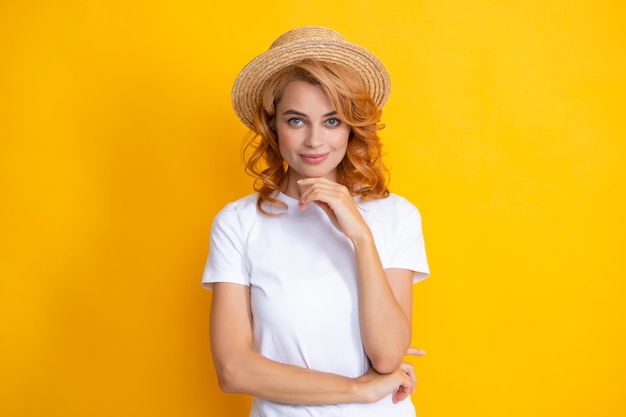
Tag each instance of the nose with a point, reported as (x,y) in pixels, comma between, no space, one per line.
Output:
(314,137)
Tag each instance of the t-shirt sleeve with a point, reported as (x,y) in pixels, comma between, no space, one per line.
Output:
(226,261)
(408,250)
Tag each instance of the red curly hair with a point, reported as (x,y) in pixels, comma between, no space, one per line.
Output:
(362,170)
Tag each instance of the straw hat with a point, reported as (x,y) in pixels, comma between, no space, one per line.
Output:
(313,42)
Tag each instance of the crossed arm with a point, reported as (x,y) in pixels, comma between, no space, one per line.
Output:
(385,302)
(240,369)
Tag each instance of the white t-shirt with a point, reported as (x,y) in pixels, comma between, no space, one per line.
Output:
(303,286)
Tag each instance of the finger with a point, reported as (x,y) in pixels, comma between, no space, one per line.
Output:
(316,193)
(401,393)
(330,197)
(397,396)
(415,352)
(407,368)
(330,200)
(308,185)
(329,212)
(312,185)
(314,180)
(307,181)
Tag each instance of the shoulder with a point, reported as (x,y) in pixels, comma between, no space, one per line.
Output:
(238,211)
(392,214)
(393,204)
(244,204)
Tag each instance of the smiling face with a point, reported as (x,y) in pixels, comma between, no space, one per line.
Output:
(311,137)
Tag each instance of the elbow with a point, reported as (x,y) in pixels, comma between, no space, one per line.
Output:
(227,378)
(232,370)
(388,358)
(226,385)
(386,364)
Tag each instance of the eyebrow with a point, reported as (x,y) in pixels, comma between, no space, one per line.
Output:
(300,114)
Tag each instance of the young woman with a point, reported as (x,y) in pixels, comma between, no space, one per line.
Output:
(312,275)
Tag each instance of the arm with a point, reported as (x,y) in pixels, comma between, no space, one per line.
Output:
(385,321)
(385,297)
(241,369)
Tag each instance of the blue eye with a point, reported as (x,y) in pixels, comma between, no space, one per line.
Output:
(333,122)
(294,121)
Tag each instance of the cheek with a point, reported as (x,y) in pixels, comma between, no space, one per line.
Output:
(286,142)
(341,139)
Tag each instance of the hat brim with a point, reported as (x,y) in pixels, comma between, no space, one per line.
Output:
(247,89)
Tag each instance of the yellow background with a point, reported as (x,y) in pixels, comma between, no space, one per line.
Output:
(505,127)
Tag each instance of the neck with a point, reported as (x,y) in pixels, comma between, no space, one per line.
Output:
(289,186)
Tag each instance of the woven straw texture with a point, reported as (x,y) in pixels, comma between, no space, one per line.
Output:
(313,42)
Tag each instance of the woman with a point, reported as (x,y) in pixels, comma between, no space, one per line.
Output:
(312,275)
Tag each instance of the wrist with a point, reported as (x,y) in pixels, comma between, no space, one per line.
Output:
(363,239)
(359,390)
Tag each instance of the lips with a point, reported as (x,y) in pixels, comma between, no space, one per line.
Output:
(314,158)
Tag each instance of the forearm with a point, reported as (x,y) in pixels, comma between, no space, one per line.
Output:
(243,370)
(385,327)
(251,373)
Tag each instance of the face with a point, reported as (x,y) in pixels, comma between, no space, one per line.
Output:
(311,137)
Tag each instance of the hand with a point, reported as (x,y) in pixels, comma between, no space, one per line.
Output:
(337,203)
(380,385)
(375,386)
(408,369)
